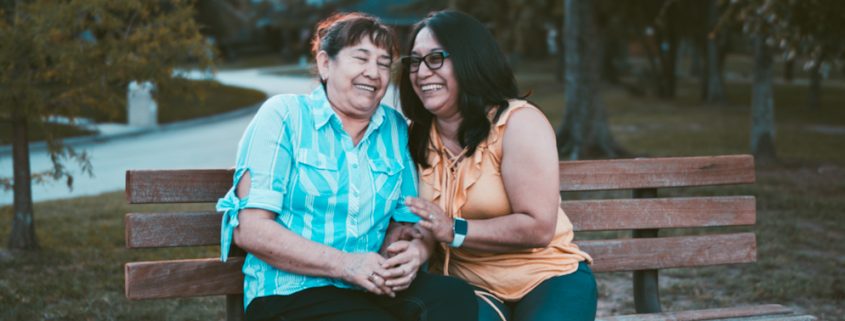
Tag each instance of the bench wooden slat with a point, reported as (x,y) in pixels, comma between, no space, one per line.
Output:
(647,213)
(177,186)
(145,230)
(709,314)
(655,172)
(184,278)
(670,252)
(203,277)
(195,186)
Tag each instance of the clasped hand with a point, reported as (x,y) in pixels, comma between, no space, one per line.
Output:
(402,254)
(390,271)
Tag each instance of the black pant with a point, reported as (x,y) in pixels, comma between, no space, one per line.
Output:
(430,297)
(566,297)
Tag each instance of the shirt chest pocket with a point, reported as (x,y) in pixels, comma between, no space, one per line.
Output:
(318,174)
(386,177)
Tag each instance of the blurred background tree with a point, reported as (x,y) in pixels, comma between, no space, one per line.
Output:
(58,57)
(814,28)
(584,130)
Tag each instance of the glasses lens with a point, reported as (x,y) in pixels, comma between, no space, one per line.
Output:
(411,64)
(434,60)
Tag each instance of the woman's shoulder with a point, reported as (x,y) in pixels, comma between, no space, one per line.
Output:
(520,119)
(522,112)
(284,105)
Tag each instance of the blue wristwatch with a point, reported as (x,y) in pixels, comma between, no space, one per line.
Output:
(459,229)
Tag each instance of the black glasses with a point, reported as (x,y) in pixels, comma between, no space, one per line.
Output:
(433,61)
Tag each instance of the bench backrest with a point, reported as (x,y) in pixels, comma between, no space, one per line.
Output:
(204,277)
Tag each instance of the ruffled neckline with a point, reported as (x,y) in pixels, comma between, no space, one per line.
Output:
(468,170)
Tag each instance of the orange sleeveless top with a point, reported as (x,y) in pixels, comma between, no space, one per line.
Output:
(475,190)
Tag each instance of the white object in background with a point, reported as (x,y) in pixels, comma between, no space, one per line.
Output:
(142,110)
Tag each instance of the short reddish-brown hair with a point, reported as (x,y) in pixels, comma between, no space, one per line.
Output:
(346,29)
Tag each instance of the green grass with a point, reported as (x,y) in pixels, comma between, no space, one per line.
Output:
(305,72)
(261,61)
(79,273)
(38,132)
(172,108)
(686,127)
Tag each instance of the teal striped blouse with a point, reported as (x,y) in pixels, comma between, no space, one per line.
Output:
(305,169)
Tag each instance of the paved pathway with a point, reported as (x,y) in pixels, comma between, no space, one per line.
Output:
(208,145)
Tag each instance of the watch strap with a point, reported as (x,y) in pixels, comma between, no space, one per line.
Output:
(459,230)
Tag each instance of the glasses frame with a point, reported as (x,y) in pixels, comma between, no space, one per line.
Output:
(406,61)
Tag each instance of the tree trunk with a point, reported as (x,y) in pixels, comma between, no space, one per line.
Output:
(561,56)
(584,130)
(715,84)
(695,64)
(814,101)
(609,53)
(789,70)
(23,225)
(701,45)
(668,63)
(668,52)
(653,78)
(762,103)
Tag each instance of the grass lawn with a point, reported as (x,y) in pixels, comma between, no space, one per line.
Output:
(172,108)
(39,132)
(304,72)
(800,221)
(219,98)
(259,61)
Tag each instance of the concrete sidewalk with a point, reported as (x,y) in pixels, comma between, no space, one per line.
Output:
(201,143)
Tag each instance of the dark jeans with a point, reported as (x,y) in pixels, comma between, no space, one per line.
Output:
(430,297)
(566,297)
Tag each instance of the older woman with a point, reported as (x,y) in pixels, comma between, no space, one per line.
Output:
(318,179)
(489,177)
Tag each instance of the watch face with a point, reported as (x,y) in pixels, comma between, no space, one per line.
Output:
(460,227)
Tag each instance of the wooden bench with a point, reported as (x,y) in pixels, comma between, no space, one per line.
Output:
(644,213)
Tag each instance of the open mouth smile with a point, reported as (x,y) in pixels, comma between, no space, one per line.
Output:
(432,87)
(365,87)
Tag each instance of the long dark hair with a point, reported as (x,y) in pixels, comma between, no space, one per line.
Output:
(484,77)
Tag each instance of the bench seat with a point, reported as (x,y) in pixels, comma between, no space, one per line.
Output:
(643,214)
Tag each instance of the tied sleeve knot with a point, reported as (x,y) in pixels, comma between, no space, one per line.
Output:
(229,205)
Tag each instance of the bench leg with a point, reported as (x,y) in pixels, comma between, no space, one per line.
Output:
(646,291)
(235,307)
(235,302)
(646,295)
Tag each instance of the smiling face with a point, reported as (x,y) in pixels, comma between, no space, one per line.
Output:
(438,89)
(356,78)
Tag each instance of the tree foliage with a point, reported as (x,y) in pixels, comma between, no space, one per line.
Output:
(813,28)
(518,25)
(60,56)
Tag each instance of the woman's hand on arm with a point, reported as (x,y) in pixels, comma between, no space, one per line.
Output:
(531,177)
(405,259)
(397,231)
(259,234)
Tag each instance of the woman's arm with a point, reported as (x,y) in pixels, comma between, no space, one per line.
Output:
(260,235)
(531,176)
